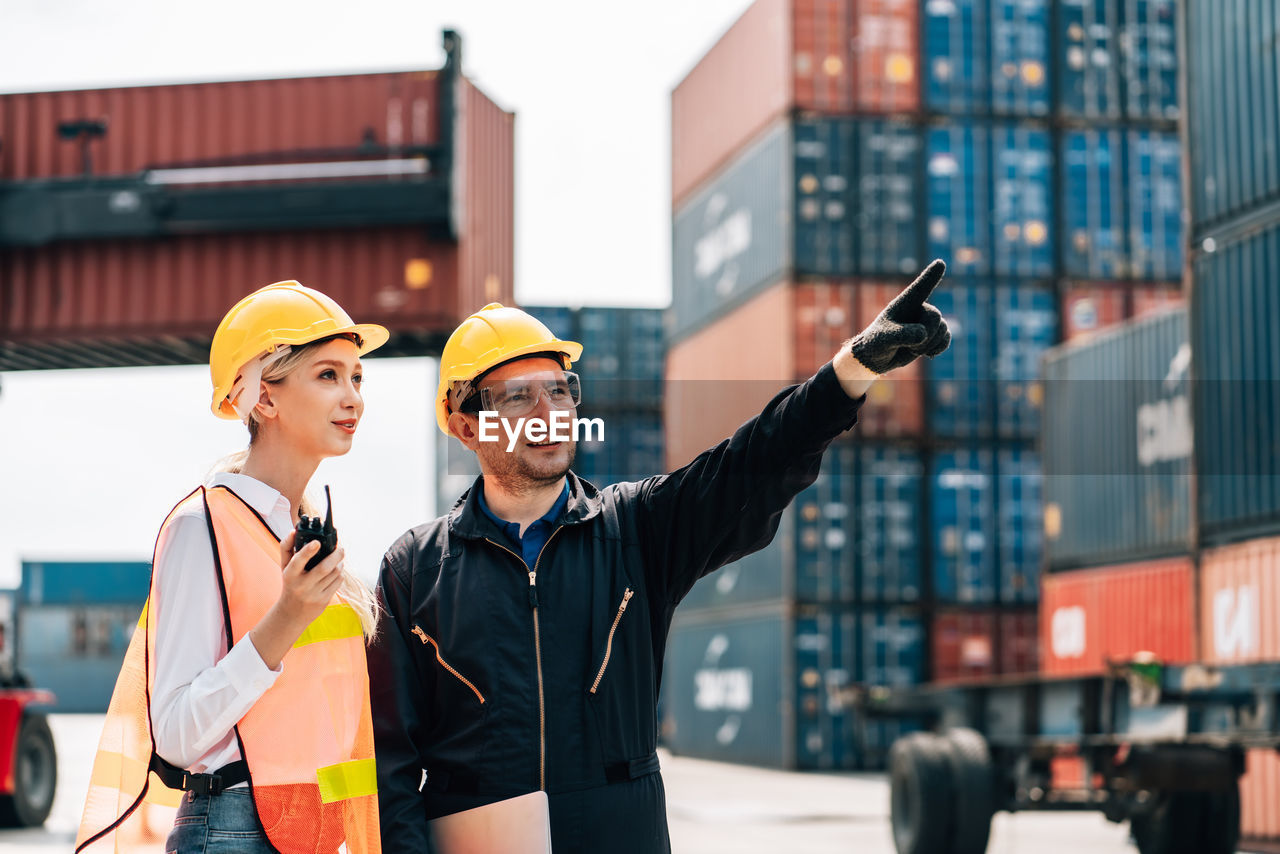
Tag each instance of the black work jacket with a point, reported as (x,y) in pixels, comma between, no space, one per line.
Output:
(499,679)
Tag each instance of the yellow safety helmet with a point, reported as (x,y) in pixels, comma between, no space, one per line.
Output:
(278,314)
(493,335)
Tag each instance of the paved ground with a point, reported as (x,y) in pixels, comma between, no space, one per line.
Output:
(713,808)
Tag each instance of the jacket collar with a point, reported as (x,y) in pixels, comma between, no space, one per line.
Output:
(468,520)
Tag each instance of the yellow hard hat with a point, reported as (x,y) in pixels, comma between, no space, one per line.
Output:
(493,335)
(281,313)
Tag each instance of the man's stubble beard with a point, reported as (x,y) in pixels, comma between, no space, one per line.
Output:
(514,474)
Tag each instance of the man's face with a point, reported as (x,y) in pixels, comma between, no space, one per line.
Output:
(528,464)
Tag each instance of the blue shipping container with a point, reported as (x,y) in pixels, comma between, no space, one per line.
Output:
(772,688)
(1025,322)
(1019,499)
(1154,180)
(888,220)
(824,200)
(87,582)
(631,449)
(957,76)
(1089,32)
(623,353)
(964,520)
(1149,58)
(1020,57)
(960,387)
(1022,200)
(958,197)
(889,532)
(1093,211)
(1235,315)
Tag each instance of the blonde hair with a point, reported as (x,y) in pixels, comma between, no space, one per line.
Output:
(353,591)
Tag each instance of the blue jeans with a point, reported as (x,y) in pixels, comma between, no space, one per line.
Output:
(217,824)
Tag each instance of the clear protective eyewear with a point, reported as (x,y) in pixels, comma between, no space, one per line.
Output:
(519,395)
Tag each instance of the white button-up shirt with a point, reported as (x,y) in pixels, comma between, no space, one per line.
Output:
(201,689)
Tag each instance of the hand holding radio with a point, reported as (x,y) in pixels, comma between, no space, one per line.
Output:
(310,529)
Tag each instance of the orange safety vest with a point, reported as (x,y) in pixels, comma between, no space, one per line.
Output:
(308,741)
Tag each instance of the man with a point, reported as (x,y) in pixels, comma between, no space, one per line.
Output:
(524,632)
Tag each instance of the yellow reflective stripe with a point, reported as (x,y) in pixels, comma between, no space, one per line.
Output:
(117,771)
(336,623)
(354,779)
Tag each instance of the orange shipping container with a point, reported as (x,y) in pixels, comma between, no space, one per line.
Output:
(1260,797)
(726,372)
(1240,602)
(828,56)
(1091,307)
(1091,616)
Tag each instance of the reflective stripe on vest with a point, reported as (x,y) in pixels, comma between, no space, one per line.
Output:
(308,740)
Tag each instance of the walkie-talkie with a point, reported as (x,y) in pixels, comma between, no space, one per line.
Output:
(310,528)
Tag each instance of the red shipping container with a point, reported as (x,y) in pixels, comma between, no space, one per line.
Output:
(165,297)
(1087,309)
(1091,616)
(1148,299)
(965,644)
(1240,602)
(828,56)
(1260,796)
(714,383)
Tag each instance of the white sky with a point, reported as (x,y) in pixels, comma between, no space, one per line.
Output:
(90,461)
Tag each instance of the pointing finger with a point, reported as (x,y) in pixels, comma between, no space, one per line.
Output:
(911,301)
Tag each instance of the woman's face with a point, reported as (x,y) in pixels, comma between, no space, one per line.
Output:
(318,405)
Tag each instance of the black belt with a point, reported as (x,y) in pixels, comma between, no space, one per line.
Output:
(229,775)
(454,782)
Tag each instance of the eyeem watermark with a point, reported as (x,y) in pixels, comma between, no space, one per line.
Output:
(561,429)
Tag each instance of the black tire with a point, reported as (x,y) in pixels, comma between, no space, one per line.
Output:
(35,776)
(1190,823)
(973,782)
(920,790)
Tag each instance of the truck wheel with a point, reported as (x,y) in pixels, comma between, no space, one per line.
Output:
(972,780)
(920,790)
(35,776)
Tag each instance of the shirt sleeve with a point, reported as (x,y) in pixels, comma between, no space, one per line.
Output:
(201,689)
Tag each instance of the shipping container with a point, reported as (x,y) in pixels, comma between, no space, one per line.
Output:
(1117,445)
(8,632)
(84,582)
(1149,59)
(75,651)
(1022,200)
(1233,120)
(122,291)
(1093,616)
(1235,315)
(812,197)
(1154,181)
(713,384)
(1020,57)
(964,520)
(969,644)
(1260,798)
(1025,326)
(772,687)
(958,202)
(1154,299)
(1090,308)
(1093,240)
(623,350)
(1019,524)
(955,43)
(889,546)
(1089,32)
(631,447)
(960,384)
(825,56)
(1240,602)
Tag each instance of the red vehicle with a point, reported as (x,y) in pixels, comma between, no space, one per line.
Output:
(28,763)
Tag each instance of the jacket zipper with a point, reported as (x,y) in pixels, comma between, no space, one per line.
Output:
(608,647)
(426,638)
(537,647)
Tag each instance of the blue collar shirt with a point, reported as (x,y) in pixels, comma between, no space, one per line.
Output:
(536,535)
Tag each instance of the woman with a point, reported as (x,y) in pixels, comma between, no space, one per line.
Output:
(245,692)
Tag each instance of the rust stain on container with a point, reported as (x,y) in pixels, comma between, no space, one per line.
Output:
(1091,616)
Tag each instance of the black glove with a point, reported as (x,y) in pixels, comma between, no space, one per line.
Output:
(907,328)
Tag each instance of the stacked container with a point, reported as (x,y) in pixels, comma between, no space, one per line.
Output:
(1233,136)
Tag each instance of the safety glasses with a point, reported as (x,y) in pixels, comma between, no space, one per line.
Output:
(518,396)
